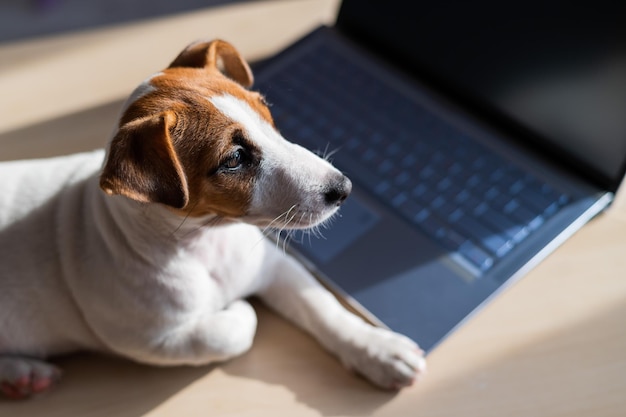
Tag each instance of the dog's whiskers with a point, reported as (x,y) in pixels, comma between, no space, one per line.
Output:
(211,221)
(285,228)
(329,154)
(277,218)
(308,232)
(269,229)
(183,220)
(282,234)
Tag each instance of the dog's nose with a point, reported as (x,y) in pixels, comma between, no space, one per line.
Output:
(338,191)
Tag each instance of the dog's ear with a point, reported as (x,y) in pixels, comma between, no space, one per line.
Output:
(142,163)
(216,55)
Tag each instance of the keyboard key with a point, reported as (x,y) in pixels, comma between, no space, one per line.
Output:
(450,211)
(452,240)
(515,231)
(433,227)
(410,209)
(539,202)
(551,209)
(490,240)
(524,216)
(421,215)
(476,256)
(399,199)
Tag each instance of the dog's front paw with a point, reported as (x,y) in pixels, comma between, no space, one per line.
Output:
(390,360)
(22,377)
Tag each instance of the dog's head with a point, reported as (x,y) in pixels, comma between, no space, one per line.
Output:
(195,139)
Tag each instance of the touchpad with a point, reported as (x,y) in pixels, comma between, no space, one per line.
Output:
(353,220)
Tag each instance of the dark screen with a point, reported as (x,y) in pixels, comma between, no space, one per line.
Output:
(558,68)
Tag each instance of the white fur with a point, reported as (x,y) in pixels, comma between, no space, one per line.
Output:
(83,270)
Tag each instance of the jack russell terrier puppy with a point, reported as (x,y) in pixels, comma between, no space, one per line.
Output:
(148,250)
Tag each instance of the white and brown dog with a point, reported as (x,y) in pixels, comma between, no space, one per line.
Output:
(151,253)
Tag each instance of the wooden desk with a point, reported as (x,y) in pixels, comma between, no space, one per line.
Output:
(553,345)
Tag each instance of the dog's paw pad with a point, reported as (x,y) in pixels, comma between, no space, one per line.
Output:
(22,377)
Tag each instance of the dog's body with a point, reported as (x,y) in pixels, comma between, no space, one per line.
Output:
(150,250)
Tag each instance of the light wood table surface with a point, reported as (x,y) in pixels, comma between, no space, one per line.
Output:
(552,345)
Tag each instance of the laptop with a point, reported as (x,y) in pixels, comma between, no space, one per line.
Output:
(478,137)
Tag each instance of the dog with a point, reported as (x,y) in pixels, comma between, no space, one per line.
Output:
(149,248)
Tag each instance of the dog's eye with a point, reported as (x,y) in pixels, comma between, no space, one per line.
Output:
(235,160)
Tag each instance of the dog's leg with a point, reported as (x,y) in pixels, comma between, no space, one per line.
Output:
(21,377)
(215,336)
(388,359)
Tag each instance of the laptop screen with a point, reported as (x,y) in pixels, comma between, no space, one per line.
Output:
(556,69)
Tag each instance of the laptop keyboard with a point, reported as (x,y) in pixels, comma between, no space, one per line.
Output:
(451,187)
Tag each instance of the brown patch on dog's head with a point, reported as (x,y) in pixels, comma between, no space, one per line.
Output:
(175,148)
